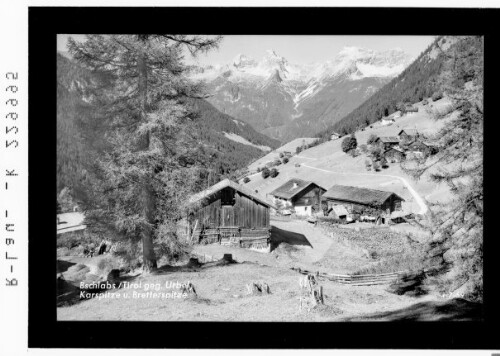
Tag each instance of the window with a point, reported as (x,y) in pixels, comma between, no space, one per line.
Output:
(227,197)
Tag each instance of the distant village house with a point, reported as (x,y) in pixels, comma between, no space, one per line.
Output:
(395,154)
(303,196)
(408,134)
(387,121)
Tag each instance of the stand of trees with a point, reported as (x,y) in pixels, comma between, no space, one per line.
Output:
(137,185)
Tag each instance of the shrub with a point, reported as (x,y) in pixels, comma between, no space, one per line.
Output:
(246,180)
(371,140)
(259,169)
(285,160)
(383,162)
(354,152)
(368,163)
(277,162)
(425,102)
(274,173)
(281,155)
(298,150)
(265,172)
(376,153)
(376,166)
(363,148)
(349,143)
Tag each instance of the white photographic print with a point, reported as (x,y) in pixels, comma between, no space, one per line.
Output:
(273,178)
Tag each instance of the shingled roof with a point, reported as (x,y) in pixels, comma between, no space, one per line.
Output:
(229,183)
(292,188)
(409,132)
(388,139)
(356,195)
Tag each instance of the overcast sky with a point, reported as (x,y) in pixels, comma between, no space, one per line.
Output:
(297,49)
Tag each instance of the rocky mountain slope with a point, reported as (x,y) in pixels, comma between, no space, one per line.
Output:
(286,100)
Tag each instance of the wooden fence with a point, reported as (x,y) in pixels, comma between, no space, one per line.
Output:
(362,279)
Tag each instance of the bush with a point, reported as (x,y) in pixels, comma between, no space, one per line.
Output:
(281,155)
(277,162)
(363,148)
(285,160)
(298,150)
(376,153)
(246,180)
(354,152)
(376,166)
(265,172)
(349,143)
(274,173)
(259,169)
(383,163)
(371,140)
(425,102)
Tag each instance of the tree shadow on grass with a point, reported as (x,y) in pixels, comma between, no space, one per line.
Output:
(279,236)
(449,310)
(63,266)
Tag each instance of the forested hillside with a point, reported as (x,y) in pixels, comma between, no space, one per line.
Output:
(418,81)
(80,131)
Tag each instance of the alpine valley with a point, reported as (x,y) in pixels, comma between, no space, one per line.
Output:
(285,100)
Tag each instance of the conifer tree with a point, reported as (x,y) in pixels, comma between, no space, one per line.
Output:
(140,82)
(458,225)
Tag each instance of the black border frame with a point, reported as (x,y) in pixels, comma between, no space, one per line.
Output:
(45,23)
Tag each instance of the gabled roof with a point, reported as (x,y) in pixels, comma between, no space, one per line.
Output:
(388,139)
(358,195)
(228,183)
(292,188)
(409,132)
(398,149)
(335,133)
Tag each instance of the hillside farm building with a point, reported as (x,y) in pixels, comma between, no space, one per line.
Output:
(303,196)
(408,134)
(362,200)
(229,214)
(395,154)
(387,142)
(387,121)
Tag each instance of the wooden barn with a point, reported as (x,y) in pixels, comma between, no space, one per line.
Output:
(229,214)
(363,200)
(303,196)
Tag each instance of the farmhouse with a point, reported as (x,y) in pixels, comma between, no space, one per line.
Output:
(361,200)
(387,142)
(408,134)
(229,214)
(420,148)
(303,196)
(394,154)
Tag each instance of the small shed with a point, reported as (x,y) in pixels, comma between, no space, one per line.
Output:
(303,196)
(387,121)
(339,212)
(229,214)
(362,200)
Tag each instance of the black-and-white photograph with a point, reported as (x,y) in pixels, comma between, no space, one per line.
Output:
(275,178)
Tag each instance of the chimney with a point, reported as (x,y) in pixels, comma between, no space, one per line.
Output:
(295,185)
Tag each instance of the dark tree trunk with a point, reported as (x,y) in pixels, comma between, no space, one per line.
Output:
(147,196)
